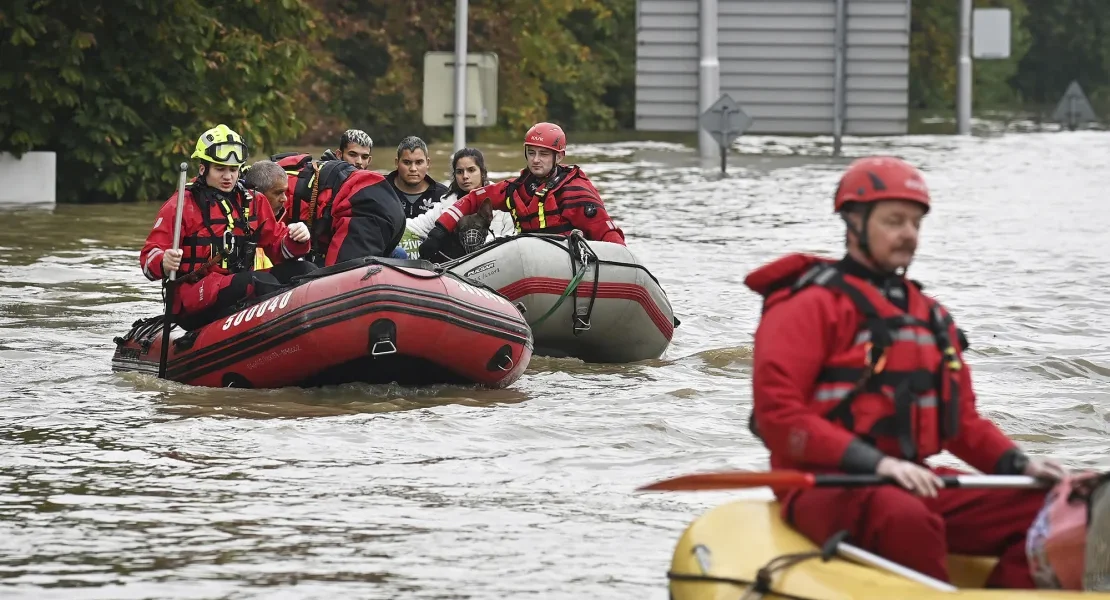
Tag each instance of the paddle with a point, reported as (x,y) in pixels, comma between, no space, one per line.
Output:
(730,480)
(167,321)
(860,555)
(724,480)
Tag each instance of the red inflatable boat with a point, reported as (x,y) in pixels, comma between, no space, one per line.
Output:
(372,320)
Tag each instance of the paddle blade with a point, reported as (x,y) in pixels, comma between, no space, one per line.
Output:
(732,480)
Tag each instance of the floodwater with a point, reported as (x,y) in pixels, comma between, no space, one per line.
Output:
(123,486)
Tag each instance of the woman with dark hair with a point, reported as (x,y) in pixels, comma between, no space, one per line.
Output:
(469,172)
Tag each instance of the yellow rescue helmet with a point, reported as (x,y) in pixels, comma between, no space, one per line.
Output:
(221,146)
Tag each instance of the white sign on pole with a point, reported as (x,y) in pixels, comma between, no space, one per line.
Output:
(991,33)
(439,89)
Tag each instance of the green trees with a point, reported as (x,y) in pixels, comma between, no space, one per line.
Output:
(1069,42)
(934,47)
(1052,43)
(122,90)
(567,59)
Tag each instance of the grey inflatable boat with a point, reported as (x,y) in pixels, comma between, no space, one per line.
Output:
(590,300)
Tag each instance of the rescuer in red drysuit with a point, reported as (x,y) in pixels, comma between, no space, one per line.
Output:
(546,197)
(221,216)
(855,370)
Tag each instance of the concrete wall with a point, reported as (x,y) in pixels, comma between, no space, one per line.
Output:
(30,179)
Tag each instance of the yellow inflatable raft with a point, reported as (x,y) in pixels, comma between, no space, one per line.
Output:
(720,553)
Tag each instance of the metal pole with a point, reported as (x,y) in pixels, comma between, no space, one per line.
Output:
(709,73)
(839,87)
(724,135)
(460,74)
(963,72)
(863,556)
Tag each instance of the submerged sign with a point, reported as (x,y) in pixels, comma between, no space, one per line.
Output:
(1074,108)
(725,121)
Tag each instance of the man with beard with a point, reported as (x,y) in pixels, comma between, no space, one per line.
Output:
(416,189)
(855,370)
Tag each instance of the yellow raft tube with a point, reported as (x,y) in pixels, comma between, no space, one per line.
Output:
(731,543)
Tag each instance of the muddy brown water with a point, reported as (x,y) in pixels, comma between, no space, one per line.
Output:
(123,486)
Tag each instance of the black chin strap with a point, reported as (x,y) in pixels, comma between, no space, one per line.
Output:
(861,233)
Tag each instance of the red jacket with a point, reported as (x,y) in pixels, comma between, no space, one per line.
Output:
(356,213)
(564,202)
(807,333)
(204,226)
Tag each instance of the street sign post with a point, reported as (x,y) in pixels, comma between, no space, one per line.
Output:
(725,121)
(439,89)
(990,35)
(1074,108)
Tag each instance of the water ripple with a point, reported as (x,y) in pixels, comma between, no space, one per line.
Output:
(124,486)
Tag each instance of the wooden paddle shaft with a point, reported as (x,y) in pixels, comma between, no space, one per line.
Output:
(180,209)
(167,324)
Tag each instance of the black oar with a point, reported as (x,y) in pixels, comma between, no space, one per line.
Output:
(731,480)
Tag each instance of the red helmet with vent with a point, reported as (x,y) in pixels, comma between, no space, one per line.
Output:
(546,135)
(878,178)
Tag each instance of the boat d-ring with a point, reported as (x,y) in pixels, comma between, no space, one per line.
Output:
(388,347)
(383,336)
(511,364)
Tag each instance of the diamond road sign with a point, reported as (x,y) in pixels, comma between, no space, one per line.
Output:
(1074,108)
(725,120)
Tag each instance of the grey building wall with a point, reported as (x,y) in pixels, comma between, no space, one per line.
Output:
(777,60)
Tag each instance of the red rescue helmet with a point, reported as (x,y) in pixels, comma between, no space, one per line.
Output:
(546,135)
(878,178)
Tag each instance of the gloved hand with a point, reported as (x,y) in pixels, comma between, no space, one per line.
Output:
(171,261)
(298,232)
(434,242)
(399,252)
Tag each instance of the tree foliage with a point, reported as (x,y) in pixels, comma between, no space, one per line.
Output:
(1069,42)
(570,60)
(934,49)
(122,90)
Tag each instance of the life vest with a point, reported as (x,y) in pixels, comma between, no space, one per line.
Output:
(292,163)
(897,385)
(316,189)
(261,261)
(541,212)
(229,229)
